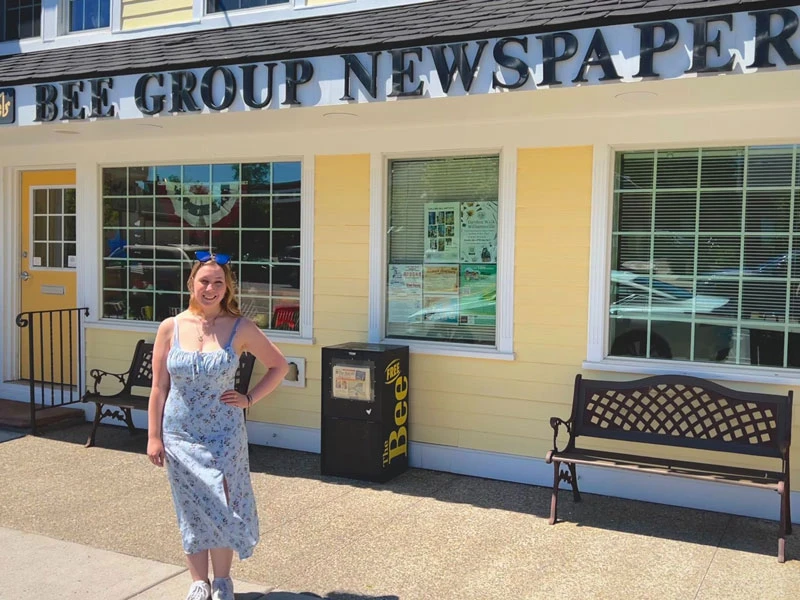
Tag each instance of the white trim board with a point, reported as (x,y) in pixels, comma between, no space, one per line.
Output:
(674,491)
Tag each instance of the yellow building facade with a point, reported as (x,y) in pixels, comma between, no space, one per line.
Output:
(476,408)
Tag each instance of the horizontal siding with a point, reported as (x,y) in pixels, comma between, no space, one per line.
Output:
(138,14)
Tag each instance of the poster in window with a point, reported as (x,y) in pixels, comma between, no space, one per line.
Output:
(440,279)
(478,232)
(441,232)
(352,383)
(478,295)
(405,292)
(440,309)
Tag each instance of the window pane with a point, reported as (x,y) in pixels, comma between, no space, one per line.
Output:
(40,202)
(442,272)
(286,212)
(156,218)
(213,6)
(717,279)
(256,212)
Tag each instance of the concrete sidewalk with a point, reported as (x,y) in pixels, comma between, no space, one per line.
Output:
(98,524)
(37,566)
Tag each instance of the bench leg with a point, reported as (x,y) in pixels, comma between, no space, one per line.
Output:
(788,499)
(554,497)
(129,420)
(98,415)
(784,526)
(576,495)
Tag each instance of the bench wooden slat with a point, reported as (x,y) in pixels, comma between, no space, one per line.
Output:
(691,470)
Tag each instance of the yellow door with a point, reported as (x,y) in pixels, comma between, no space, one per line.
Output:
(47,275)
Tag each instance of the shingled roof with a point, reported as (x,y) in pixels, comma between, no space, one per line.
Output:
(435,22)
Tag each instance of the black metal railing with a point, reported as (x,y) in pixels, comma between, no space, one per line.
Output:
(55,372)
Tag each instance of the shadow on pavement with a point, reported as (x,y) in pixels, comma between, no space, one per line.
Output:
(758,536)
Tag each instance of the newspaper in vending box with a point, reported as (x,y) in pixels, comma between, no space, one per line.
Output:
(352,383)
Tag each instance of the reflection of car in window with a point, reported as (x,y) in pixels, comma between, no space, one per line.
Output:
(763,287)
(641,302)
(165,266)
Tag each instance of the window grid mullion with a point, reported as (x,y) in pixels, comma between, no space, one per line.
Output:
(696,251)
(789,260)
(651,259)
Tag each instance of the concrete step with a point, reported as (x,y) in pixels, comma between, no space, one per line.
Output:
(17,415)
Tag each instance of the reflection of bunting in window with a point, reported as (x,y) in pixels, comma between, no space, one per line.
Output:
(201,210)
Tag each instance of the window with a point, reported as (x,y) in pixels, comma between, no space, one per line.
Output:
(20,19)
(54,228)
(215,6)
(442,249)
(156,217)
(706,256)
(83,15)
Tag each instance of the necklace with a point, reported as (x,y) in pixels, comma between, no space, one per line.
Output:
(201,326)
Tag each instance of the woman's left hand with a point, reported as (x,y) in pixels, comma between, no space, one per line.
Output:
(234,398)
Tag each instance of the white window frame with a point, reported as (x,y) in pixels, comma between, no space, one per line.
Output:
(506,208)
(597,358)
(91,181)
(199,10)
(62,18)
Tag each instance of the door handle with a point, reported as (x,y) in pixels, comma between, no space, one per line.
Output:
(24,276)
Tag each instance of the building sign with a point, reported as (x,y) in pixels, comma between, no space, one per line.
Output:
(734,42)
(8,109)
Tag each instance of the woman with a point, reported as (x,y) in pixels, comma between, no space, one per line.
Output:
(196,425)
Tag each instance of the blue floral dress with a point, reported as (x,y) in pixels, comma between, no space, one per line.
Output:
(205,442)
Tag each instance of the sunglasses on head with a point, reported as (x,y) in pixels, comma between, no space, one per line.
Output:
(204,256)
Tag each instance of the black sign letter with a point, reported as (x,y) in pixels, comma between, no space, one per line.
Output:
(400,71)
(702,44)
(100,107)
(779,41)
(510,62)
(298,72)
(369,79)
(206,85)
(183,84)
(46,109)
(248,85)
(648,48)
(461,64)
(549,56)
(597,47)
(70,101)
(141,89)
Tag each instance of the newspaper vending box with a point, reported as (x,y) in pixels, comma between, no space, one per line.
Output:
(364,411)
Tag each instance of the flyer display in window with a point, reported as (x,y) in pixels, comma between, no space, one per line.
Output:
(478,295)
(478,239)
(440,279)
(440,309)
(405,292)
(442,233)
(352,383)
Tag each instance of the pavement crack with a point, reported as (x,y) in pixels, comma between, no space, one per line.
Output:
(157,583)
(713,556)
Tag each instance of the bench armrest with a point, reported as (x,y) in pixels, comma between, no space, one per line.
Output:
(99,374)
(556,424)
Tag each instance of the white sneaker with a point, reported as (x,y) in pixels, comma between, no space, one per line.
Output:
(222,589)
(200,590)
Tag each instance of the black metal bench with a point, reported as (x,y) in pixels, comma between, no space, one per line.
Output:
(680,411)
(140,375)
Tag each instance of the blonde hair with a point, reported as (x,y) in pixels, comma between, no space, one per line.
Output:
(228,304)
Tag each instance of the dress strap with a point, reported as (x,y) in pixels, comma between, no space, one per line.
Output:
(175,337)
(233,333)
